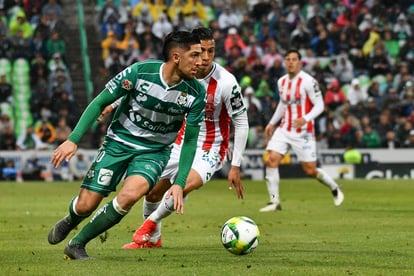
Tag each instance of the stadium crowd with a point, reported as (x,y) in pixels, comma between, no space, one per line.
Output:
(33,55)
(361,52)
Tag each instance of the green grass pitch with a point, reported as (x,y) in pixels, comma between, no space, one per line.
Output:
(372,233)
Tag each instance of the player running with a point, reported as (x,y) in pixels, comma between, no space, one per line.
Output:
(224,105)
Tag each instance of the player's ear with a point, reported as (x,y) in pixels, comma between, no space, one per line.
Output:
(175,56)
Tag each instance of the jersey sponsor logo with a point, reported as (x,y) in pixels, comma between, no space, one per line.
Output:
(182,99)
(105,176)
(127,84)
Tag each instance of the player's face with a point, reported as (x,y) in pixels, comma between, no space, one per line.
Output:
(189,62)
(208,49)
(292,63)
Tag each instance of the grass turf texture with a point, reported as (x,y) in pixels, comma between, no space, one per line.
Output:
(370,234)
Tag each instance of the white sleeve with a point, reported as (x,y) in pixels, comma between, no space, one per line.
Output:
(278,113)
(316,110)
(241,131)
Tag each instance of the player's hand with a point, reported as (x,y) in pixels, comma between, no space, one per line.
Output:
(299,122)
(269,131)
(234,181)
(108,109)
(177,193)
(64,152)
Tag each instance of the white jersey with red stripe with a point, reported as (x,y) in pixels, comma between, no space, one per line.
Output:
(223,101)
(298,96)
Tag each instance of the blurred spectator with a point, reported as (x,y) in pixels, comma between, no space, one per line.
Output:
(8,139)
(162,26)
(53,7)
(6,90)
(402,30)
(407,53)
(28,140)
(253,51)
(5,122)
(111,24)
(300,37)
(78,166)
(9,171)
(37,46)
(334,96)
(228,19)
(21,46)
(266,36)
(56,62)
(125,12)
(322,45)
(409,143)
(249,98)
(232,40)
(62,131)
(379,63)
(43,29)
(356,94)
(107,10)
(268,59)
(20,23)
(197,7)
(32,170)
(147,40)
(55,44)
(390,141)
(391,100)
(371,137)
(45,131)
(260,9)
(6,46)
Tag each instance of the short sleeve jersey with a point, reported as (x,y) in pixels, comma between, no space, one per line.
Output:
(151,113)
(223,101)
(298,95)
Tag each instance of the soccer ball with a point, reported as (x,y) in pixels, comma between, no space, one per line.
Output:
(240,235)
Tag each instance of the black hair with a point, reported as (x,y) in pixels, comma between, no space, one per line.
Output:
(293,50)
(180,39)
(204,33)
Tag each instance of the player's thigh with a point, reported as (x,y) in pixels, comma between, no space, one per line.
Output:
(106,170)
(304,147)
(134,188)
(206,163)
(279,142)
(148,165)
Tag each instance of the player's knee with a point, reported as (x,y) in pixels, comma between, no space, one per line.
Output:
(311,172)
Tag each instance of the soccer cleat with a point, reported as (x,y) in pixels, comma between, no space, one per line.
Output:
(338,197)
(60,231)
(144,233)
(75,252)
(271,206)
(133,245)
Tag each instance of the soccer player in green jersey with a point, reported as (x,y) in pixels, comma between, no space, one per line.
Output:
(156,97)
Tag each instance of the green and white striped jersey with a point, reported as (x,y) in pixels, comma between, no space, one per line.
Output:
(151,113)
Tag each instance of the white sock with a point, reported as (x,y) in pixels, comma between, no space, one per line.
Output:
(272,182)
(148,208)
(325,179)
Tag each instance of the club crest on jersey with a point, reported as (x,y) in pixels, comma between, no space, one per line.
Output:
(182,99)
(127,85)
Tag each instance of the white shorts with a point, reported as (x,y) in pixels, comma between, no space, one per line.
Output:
(206,163)
(303,145)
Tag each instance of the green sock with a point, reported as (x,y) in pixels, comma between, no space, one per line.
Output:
(104,218)
(74,218)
